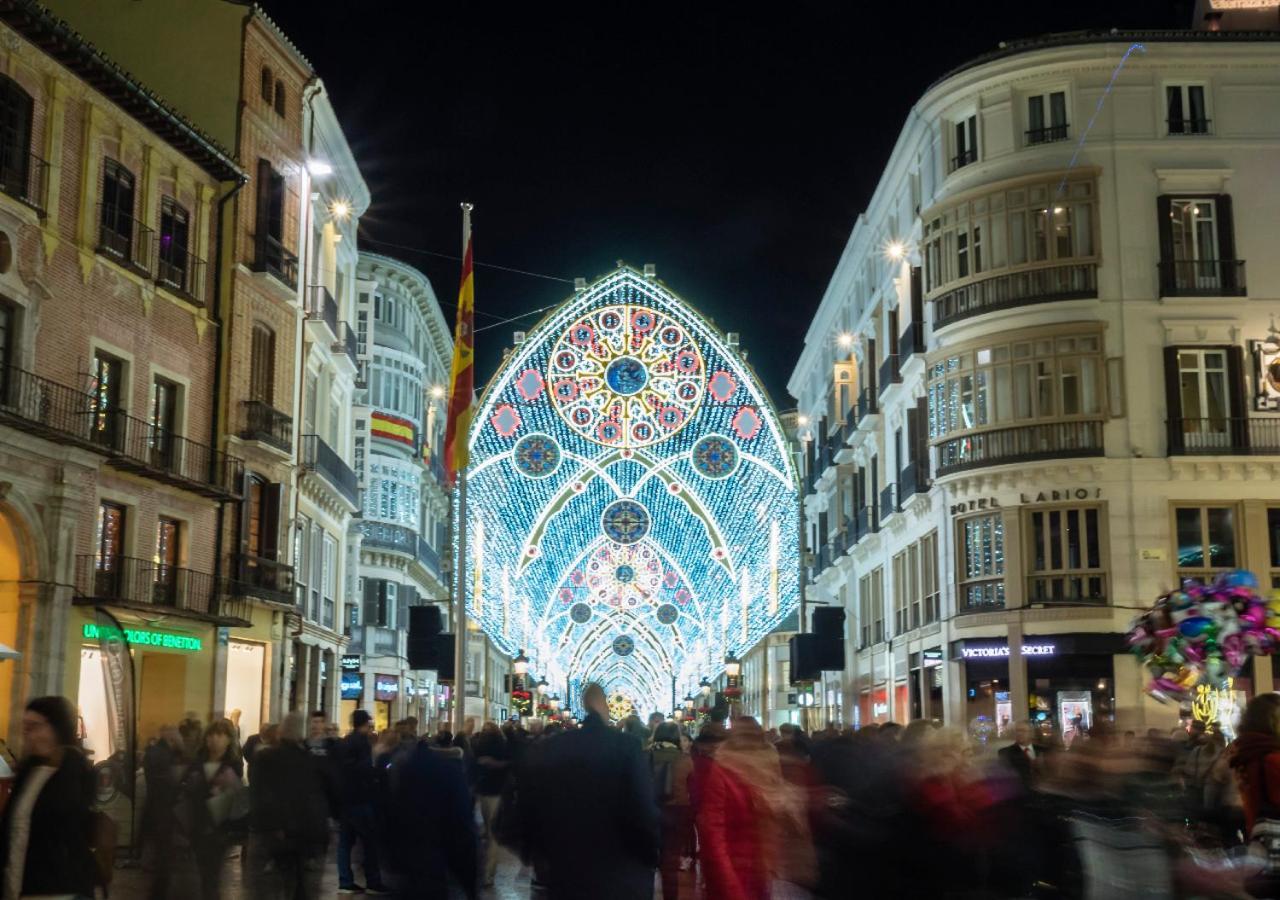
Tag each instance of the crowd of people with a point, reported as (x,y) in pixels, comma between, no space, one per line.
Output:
(612,810)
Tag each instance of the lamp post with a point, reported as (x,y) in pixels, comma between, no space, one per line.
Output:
(733,688)
(520,669)
(541,690)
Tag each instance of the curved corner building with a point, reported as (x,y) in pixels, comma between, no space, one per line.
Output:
(1042,386)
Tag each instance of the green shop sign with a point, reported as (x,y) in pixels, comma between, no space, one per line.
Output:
(139,637)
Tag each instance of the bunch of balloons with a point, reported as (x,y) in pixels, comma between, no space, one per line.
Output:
(1204,633)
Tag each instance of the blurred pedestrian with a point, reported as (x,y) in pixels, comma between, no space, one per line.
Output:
(1255,759)
(266,737)
(318,742)
(292,800)
(493,759)
(213,806)
(633,728)
(1023,756)
(356,786)
(671,768)
(162,767)
(592,811)
(47,825)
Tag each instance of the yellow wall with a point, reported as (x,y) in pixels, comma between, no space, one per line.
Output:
(187,51)
(10,573)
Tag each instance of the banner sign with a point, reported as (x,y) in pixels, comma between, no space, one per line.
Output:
(117,669)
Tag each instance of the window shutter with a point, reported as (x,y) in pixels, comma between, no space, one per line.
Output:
(1236,393)
(1173,399)
(272,498)
(261,224)
(893,332)
(922,439)
(1164,225)
(917,296)
(870,380)
(372,588)
(1226,243)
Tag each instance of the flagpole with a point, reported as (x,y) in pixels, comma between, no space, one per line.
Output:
(460,588)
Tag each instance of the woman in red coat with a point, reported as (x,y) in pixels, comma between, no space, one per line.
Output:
(1255,759)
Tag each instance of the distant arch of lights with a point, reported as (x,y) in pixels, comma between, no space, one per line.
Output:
(632,504)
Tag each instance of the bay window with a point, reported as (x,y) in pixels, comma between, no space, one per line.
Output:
(981,563)
(1065,556)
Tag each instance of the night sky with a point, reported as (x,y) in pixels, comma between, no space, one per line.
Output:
(734,153)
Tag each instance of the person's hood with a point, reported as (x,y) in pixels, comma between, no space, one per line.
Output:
(1252,746)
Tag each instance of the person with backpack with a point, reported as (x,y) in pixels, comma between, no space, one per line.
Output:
(292,799)
(671,768)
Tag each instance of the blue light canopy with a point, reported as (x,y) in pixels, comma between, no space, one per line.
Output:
(632,511)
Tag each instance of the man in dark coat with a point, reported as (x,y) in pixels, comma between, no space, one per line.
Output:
(1023,756)
(357,782)
(592,810)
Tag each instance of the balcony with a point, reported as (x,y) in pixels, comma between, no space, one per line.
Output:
(890,373)
(149,450)
(320,458)
(835,443)
(1046,135)
(963,158)
(24,177)
(868,405)
(263,579)
(265,423)
(428,557)
(374,640)
(912,480)
(912,341)
(867,521)
(346,343)
(123,238)
(889,501)
(148,586)
(1025,443)
(1202,278)
(1067,589)
(272,257)
(321,307)
(385,536)
(1013,289)
(1189,126)
(436,465)
(1222,436)
(180,272)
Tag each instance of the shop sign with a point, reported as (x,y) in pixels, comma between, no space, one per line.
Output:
(932,658)
(385,687)
(879,709)
(968,506)
(1058,496)
(1002,650)
(352,685)
(141,637)
(350,663)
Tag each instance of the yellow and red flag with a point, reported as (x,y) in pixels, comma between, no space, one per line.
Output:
(462,378)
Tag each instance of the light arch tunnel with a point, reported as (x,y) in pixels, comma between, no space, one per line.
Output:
(632,511)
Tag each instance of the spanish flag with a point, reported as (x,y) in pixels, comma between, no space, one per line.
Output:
(462,377)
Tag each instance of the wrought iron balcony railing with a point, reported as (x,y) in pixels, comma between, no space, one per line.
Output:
(263,422)
(346,343)
(387,536)
(263,579)
(1224,436)
(867,521)
(1202,278)
(889,501)
(1023,443)
(145,584)
(868,404)
(1047,135)
(272,257)
(123,238)
(319,457)
(914,479)
(180,271)
(963,158)
(912,341)
(1014,289)
(428,556)
(24,177)
(890,373)
(1189,126)
(321,307)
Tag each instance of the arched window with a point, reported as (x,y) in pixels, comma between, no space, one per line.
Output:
(262,372)
(279,97)
(268,85)
(15,139)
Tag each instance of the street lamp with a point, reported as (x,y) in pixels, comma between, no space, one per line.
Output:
(688,702)
(704,688)
(678,714)
(732,666)
(554,703)
(520,665)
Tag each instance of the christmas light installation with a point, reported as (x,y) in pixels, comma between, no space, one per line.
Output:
(632,513)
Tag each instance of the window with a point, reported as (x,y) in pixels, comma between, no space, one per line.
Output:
(877,606)
(1065,556)
(1206,541)
(173,265)
(1197,247)
(1185,109)
(966,142)
(1047,117)
(1205,397)
(268,85)
(1273,540)
(262,365)
(379,603)
(108,394)
(168,538)
(901,596)
(1025,226)
(164,421)
(328,581)
(8,339)
(981,573)
(116,211)
(279,99)
(271,253)
(930,589)
(302,560)
(15,139)
(864,612)
(261,519)
(109,554)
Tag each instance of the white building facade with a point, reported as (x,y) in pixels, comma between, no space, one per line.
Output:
(405,349)
(1043,383)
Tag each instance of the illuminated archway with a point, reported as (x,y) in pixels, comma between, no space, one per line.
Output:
(632,512)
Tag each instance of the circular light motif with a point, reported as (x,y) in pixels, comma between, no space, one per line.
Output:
(624,574)
(580,613)
(626,375)
(630,367)
(625,522)
(623,645)
(667,614)
(714,456)
(536,456)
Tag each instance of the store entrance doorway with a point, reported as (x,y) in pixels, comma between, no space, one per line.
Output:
(163,690)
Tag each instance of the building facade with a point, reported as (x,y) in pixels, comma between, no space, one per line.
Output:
(109,330)
(399,438)
(1041,386)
